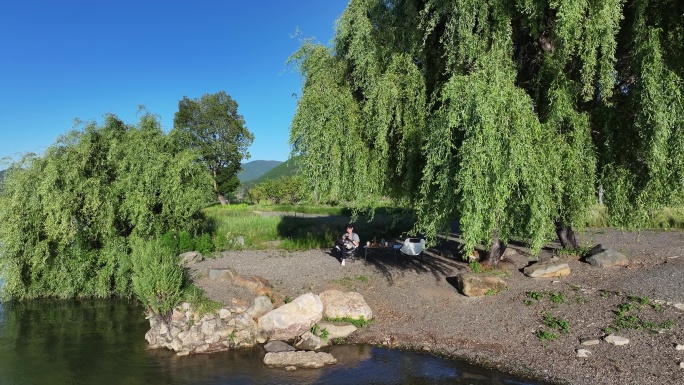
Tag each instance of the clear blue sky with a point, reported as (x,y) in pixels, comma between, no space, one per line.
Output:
(67,59)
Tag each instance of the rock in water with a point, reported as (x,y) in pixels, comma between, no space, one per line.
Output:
(299,359)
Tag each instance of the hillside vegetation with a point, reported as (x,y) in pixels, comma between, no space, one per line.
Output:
(255,169)
(287,168)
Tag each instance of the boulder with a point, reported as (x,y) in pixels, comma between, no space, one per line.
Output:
(336,329)
(300,359)
(292,319)
(191,257)
(337,304)
(222,274)
(310,341)
(603,257)
(260,306)
(477,285)
(278,346)
(255,283)
(552,268)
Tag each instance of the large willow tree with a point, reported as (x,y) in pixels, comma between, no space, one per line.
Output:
(506,115)
(66,217)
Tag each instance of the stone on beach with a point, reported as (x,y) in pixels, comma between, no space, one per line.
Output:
(602,257)
(292,319)
(337,329)
(260,306)
(337,304)
(547,269)
(616,340)
(222,274)
(477,285)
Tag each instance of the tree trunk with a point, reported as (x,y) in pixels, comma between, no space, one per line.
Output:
(222,199)
(496,250)
(566,236)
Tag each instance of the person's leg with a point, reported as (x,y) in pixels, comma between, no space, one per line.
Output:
(340,246)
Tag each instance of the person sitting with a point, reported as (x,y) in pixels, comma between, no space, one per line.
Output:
(349,241)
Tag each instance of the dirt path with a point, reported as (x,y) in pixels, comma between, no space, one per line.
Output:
(418,307)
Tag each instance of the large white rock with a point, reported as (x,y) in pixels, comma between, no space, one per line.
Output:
(337,304)
(292,319)
(260,306)
(300,359)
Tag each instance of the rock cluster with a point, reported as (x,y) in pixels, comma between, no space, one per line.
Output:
(300,322)
(186,331)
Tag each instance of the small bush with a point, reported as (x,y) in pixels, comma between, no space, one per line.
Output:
(204,244)
(157,275)
(185,242)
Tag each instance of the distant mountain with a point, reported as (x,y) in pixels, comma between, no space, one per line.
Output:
(254,169)
(2,174)
(287,168)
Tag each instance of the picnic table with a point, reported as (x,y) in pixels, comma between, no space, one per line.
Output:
(390,249)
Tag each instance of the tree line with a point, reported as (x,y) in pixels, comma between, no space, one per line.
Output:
(512,117)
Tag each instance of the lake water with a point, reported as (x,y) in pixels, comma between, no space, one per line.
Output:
(102,342)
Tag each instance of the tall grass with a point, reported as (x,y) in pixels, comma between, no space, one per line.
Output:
(666,218)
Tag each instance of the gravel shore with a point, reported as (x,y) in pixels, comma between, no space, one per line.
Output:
(418,307)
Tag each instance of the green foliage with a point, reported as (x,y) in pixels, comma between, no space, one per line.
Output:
(317,331)
(360,322)
(288,168)
(287,189)
(292,232)
(157,276)
(556,323)
(625,317)
(545,335)
(67,215)
(475,266)
(212,126)
(556,297)
(508,116)
(534,295)
(199,300)
(255,169)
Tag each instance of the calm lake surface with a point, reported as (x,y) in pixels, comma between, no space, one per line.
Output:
(102,342)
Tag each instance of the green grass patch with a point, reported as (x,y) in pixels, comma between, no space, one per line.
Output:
(243,227)
(199,300)
(360,322)
(628,316)
(665,218)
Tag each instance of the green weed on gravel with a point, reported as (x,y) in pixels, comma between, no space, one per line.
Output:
(360,322)
(627,316)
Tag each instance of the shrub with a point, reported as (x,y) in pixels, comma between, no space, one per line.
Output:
(157,275)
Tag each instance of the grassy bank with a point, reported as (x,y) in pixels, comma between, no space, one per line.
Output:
(666,218)
(295,227)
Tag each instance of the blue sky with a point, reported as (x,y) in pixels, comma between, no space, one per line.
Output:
(67,59)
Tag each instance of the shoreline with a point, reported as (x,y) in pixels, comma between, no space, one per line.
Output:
(416,307)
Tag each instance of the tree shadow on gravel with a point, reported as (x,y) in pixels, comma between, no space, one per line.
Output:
(435,262)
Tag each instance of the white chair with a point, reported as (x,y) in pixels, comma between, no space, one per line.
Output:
(413,247)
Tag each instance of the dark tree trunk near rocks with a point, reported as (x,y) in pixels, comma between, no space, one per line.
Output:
(496,250)
(566,236)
